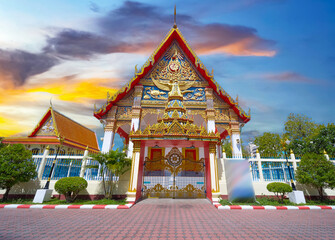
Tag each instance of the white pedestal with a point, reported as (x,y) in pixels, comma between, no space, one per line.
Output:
(297,197)
(42,195)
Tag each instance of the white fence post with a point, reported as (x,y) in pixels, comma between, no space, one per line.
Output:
(83,163)
(260,168)
(43,162)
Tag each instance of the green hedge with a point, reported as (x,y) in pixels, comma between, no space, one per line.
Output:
(280,189)
(70,187)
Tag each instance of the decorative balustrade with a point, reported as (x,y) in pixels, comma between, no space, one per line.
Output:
(272,169)
(262,169)
(70,166)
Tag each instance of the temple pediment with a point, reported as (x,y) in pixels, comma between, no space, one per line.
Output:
(173,59)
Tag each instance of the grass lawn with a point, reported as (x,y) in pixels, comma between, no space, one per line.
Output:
(274,202)
(55,201)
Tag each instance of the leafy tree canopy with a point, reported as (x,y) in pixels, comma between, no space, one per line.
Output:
(315,170)
(16,165)
(325,140)
(1,144)
(269,144)
(300,127)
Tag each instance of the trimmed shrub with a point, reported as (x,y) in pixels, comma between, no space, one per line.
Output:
(280,189)
(70,187)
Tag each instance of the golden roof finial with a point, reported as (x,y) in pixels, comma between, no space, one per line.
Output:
(257,150)
(175,14)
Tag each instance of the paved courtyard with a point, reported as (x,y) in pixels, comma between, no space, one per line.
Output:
(166,219)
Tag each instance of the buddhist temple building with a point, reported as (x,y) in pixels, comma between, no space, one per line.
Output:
(54,130)
(173,117)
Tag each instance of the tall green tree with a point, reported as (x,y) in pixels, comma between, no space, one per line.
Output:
(324,140)
(269,144)
(16,165)
(300,130)
(101,158)
(315,170)
(300,127)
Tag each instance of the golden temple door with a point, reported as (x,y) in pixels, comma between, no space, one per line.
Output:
(173,176)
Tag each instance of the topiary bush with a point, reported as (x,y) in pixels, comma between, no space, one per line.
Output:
(70,187)
(280,189)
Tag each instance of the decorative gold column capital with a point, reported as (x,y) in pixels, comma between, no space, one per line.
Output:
(110,124)
(209,93)
(137,146)
(212,147)
(136,112)
(210,114)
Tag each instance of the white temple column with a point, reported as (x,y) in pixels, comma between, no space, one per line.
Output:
(214,172)
(109,122)
(210,112)
(131,194)
(236,140)
(43,162)
(136,115)
(83,163)
(108,141)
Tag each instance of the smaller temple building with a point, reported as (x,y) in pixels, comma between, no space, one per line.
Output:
(56,130)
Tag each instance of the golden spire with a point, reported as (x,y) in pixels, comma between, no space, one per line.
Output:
(175,14)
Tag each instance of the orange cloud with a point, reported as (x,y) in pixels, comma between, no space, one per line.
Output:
(20,107)
(243,47)
(9,126)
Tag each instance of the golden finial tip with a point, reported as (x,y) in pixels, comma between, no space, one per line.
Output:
(324,151)
(291,151)
(257,150)
(223,150)
(48,147)
(86,147)
(175,14)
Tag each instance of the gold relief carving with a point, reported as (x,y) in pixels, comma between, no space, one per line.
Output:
(48,128)
(146,111)
(221,115)
(156,94)
(124,113)
(198,94)
(176,63)
(193,112)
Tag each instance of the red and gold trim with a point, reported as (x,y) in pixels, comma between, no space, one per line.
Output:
(173,35)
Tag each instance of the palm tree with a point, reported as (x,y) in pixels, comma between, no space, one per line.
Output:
(115,164)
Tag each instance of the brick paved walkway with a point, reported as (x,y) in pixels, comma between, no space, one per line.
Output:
(166,219)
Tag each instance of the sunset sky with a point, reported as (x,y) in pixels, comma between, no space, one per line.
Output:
(278,56)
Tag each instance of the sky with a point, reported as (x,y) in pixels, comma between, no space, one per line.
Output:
(277,56)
